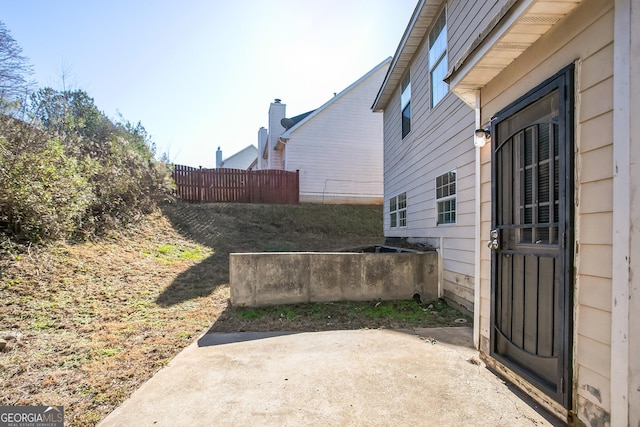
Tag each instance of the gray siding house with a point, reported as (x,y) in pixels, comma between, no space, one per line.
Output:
(429,167)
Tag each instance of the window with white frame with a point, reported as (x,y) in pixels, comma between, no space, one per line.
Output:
(438,59)
(446,198)
(398,211)
(405,104)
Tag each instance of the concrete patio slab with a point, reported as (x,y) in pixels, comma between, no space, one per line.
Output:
(363,377)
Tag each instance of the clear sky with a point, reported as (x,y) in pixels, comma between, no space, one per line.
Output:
(200,74)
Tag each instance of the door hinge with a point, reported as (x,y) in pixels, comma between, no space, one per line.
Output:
(562,385)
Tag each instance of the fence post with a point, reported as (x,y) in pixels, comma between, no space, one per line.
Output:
(174,175)
(200,185)
(297,186)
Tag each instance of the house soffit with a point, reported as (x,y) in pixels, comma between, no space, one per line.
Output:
(517,26)
(415,32)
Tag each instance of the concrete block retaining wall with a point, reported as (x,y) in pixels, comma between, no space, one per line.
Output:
(261,279)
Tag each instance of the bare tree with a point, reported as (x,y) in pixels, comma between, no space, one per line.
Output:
(14,69)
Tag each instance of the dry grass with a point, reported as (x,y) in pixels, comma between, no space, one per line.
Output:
(96,320)
(91,324)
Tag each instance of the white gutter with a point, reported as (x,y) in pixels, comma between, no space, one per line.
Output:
(396,56)
(441,268)
(478,243)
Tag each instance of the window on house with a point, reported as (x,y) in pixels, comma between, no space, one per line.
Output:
(398,210)
(446,198)
(438,59)
(405,105)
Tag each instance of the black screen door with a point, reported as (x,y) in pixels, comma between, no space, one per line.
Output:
(531,237)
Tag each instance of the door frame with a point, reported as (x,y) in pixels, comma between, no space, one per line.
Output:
(564,82)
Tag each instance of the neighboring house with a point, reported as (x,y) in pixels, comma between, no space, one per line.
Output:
(337,148)
(553,190)
(245,159)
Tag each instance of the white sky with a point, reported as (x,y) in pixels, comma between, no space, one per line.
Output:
(200,74)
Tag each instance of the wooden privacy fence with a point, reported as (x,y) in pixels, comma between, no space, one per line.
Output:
(236,185)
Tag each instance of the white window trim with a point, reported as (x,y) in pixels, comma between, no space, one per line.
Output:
(435,61)
(453,197)
(398,211)
(405,101)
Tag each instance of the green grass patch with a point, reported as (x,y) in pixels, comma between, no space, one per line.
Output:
(110,352)
(170,254)
(348,314)
(288,312)
(40,325)
(250,313)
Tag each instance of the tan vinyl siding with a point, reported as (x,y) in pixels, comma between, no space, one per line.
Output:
(595,292)
(585,36)
(485,253)
(592,161)
(594,386)
(595,356)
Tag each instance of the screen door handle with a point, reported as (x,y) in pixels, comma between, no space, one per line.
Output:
(494,242)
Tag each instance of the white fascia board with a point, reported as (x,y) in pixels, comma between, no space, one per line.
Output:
(394,68)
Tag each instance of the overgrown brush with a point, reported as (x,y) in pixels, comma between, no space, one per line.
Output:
(68,171)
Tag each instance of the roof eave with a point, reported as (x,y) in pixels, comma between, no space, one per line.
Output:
(419,24)
(517,26)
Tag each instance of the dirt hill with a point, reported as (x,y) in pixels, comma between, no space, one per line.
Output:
(84,325)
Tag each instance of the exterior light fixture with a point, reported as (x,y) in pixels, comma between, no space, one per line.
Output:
(481,137)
